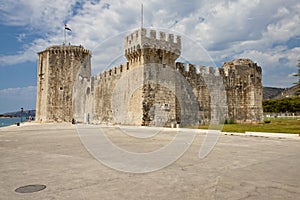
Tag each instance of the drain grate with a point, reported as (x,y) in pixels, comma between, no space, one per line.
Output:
(30,188)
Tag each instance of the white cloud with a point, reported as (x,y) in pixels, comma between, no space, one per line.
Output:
(12,99)
(227,29)
(21,37)
(37,14)
(29,54)
(24,91)
(277,64)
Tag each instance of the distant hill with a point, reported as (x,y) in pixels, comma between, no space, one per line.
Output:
(288,92)
(26,113)
(279,93)
(271,92)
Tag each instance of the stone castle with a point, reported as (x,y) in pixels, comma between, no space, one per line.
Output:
(150,89)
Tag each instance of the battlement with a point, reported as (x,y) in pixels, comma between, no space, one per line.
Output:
(115,71)
(241,65)
(197,70)
(145,39)
(68,49)
(141,34)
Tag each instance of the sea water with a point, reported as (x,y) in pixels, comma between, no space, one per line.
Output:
(10,121)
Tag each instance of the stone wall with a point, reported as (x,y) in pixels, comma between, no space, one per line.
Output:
(105,95)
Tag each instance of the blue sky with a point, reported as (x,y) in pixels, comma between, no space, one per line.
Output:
(216,31)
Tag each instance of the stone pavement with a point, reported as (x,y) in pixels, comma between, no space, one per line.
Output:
(239,167)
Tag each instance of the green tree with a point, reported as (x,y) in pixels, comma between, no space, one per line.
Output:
(291,104)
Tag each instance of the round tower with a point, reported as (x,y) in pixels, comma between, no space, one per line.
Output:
(243,80)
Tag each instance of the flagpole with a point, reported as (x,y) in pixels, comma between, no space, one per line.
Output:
(142,16)
(65,36)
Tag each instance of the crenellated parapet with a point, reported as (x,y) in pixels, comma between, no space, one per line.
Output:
(111,73)
(146,46)
(239,65)
(186,68)
(67,49)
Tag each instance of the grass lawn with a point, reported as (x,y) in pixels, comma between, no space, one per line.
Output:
(276,125)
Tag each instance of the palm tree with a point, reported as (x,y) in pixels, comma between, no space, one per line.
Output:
(298,83)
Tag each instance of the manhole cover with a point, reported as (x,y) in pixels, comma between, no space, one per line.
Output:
(30,188)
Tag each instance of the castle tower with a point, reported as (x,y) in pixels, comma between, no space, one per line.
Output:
(243,80)
(155,55)
(58,70)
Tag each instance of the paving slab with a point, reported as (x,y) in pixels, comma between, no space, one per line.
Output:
(238,167)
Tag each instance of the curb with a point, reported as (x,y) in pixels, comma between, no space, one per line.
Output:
(233,133)
(264,134)
(276,135)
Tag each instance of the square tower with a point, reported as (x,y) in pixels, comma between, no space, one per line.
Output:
(154,102)
(58,69)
